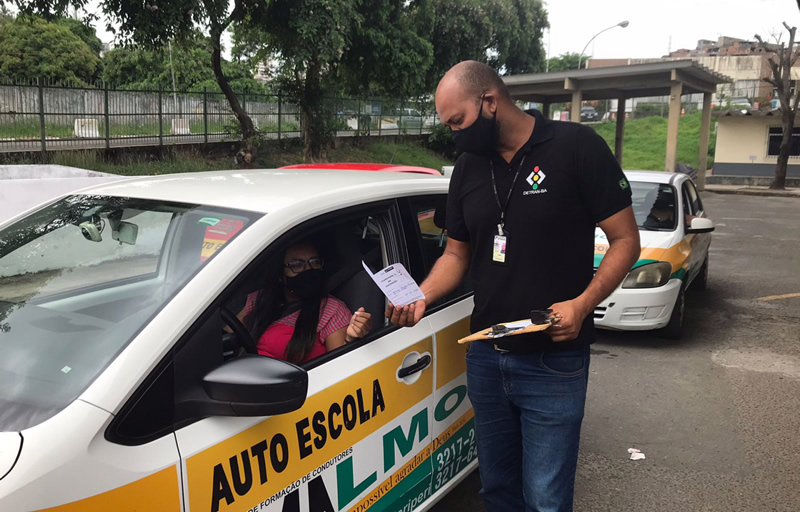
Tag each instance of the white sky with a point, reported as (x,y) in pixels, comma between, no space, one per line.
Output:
(574,22)
(652,23)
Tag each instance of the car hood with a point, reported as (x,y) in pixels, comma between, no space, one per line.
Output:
(654,245)
(10,446)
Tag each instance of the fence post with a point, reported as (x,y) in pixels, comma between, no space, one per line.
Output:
(205,115)
(400,119)
(160,118)
(358,117)
(244,107)
(279,115)
(106,116)
(41,118)
(380,116)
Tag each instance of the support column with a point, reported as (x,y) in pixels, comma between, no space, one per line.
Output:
(672,128)
(705,126)
(577,99)
(619,139)
(546,110)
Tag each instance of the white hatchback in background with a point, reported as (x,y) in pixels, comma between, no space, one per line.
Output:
(121,390)
(675,237)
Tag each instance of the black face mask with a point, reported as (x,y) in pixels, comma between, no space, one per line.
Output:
(306,284)
(479,138)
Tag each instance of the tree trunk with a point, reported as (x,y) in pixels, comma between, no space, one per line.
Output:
(310,103)
(248,130)
(787,118)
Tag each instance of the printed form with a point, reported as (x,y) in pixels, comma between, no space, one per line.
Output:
(397,284)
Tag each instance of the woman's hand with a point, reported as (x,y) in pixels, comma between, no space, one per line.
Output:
(360,325)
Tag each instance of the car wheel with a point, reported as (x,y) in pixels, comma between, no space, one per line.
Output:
(701,281)
(672,330)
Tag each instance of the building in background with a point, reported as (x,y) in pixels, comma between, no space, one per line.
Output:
(744,61)
(748,143)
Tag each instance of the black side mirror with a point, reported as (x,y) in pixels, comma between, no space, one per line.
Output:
(252,385)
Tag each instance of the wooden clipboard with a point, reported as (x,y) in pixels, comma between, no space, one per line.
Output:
(484,334)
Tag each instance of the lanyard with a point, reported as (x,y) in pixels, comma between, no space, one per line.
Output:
(508,198)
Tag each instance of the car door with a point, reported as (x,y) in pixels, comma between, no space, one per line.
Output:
(454,449)
(699,243)
(362,438)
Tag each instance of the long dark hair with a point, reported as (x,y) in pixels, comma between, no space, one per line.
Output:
(271,306)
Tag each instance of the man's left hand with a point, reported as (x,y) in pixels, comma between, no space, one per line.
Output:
(571,316)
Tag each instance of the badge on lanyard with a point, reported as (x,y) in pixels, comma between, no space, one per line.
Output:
(500,247)
(500,241)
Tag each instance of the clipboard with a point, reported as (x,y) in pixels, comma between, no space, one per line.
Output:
(543,321)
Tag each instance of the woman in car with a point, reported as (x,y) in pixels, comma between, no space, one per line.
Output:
(293,317)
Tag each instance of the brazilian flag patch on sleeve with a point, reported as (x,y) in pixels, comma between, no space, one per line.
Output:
(623,184)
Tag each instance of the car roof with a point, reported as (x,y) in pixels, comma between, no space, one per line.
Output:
(652,176)
(265,190)
(350,166)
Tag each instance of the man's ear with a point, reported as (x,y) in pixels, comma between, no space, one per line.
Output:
(491,102)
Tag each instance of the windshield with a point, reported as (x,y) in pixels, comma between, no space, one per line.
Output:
(654,206)
(79,279)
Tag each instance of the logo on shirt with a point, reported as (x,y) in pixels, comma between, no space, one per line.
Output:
(535,180)
(623,184)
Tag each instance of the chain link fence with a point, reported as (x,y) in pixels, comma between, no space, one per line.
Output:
(43,117)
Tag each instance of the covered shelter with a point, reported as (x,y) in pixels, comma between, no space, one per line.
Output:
(669,78)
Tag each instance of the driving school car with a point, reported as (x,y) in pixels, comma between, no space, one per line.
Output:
(675,236)
(128,383)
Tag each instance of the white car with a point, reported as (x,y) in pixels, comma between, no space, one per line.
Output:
(121,389)
(675,237)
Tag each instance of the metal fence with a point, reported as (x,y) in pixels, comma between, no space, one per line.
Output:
(40,117)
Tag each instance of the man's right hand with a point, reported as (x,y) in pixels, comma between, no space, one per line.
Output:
(406,316)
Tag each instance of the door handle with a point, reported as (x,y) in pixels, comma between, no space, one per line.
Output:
(422,363)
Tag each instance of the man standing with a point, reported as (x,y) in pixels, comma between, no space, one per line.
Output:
(525,197)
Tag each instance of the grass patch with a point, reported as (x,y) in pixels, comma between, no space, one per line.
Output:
(646,141)
(177,160)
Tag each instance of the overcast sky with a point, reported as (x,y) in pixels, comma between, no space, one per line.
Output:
(652,23)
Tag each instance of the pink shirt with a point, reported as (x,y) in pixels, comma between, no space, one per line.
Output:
(333,316)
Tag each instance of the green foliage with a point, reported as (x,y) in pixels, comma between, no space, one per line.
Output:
(85,31)
(646,141)
(461,31)
(34,49)
(138,67)
(567,61)
(441,141)
(517,46)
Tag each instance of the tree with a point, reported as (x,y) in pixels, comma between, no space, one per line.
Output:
(567,61)
(517,46)
(136,67)
(780,61)
(85,31)
(34,49)
(334,47)
(152,24)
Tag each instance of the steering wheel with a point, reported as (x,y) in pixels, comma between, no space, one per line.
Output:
(243,337)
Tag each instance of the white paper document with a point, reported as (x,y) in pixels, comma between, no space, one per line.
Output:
(397,284)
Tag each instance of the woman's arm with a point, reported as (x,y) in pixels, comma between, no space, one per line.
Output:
(360,325)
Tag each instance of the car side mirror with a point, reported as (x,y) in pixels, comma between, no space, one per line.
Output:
(252,385)
(700,225)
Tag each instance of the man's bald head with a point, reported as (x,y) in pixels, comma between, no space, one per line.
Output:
(474,79)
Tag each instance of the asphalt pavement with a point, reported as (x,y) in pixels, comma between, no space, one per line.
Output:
(716,413)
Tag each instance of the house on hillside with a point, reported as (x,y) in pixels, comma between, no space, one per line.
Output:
(748,143)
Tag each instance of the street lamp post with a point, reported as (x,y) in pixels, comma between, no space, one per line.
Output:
(622,24)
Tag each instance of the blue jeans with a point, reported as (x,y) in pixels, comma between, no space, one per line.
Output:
(528,413)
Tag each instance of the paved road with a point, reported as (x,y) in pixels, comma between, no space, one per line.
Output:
(717,413)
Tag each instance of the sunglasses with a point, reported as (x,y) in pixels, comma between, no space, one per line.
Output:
(298,266)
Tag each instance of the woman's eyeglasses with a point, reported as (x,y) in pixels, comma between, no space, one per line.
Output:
(298,266)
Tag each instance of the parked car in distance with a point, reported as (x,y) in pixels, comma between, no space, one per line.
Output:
(675,236)
(589,114)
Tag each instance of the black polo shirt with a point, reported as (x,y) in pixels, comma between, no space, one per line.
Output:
(569,181)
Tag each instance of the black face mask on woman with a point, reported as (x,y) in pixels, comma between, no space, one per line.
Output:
(479,138)
(306,284)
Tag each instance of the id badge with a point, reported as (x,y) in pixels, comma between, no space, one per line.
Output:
(499,252)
